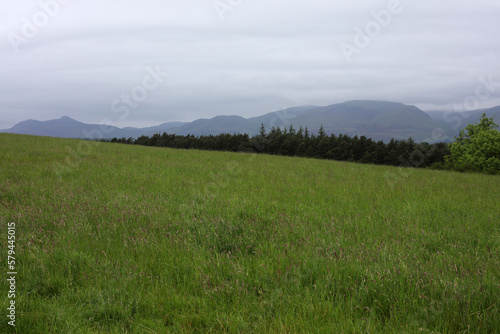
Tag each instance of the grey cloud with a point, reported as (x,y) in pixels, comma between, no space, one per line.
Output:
(263,56)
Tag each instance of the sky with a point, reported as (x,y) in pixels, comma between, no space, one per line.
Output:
(141,63)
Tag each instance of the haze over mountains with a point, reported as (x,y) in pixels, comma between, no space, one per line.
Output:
(378,120)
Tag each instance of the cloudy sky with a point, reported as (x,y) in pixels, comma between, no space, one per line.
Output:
(139,63)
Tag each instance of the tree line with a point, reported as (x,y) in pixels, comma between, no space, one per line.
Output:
(301,143)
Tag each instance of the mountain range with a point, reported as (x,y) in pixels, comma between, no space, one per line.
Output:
(379,120)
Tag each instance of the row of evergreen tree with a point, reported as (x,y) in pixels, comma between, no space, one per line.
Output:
(301,143)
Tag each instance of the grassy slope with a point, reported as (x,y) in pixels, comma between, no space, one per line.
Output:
(151,240)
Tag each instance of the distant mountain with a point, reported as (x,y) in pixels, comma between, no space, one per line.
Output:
(66,127)
(149,131)
(238,124)
(457,121)
(379,120)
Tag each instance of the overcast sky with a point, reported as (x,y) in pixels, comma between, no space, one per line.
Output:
(139,63)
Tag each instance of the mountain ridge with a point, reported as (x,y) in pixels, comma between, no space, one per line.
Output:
(379,120)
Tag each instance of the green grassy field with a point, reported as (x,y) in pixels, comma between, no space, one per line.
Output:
(115,238)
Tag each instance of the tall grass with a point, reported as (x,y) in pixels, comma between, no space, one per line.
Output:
(117,238)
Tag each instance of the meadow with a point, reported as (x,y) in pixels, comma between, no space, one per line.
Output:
(114,238)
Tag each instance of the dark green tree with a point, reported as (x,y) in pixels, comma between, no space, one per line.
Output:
(321,132)
(262,130)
